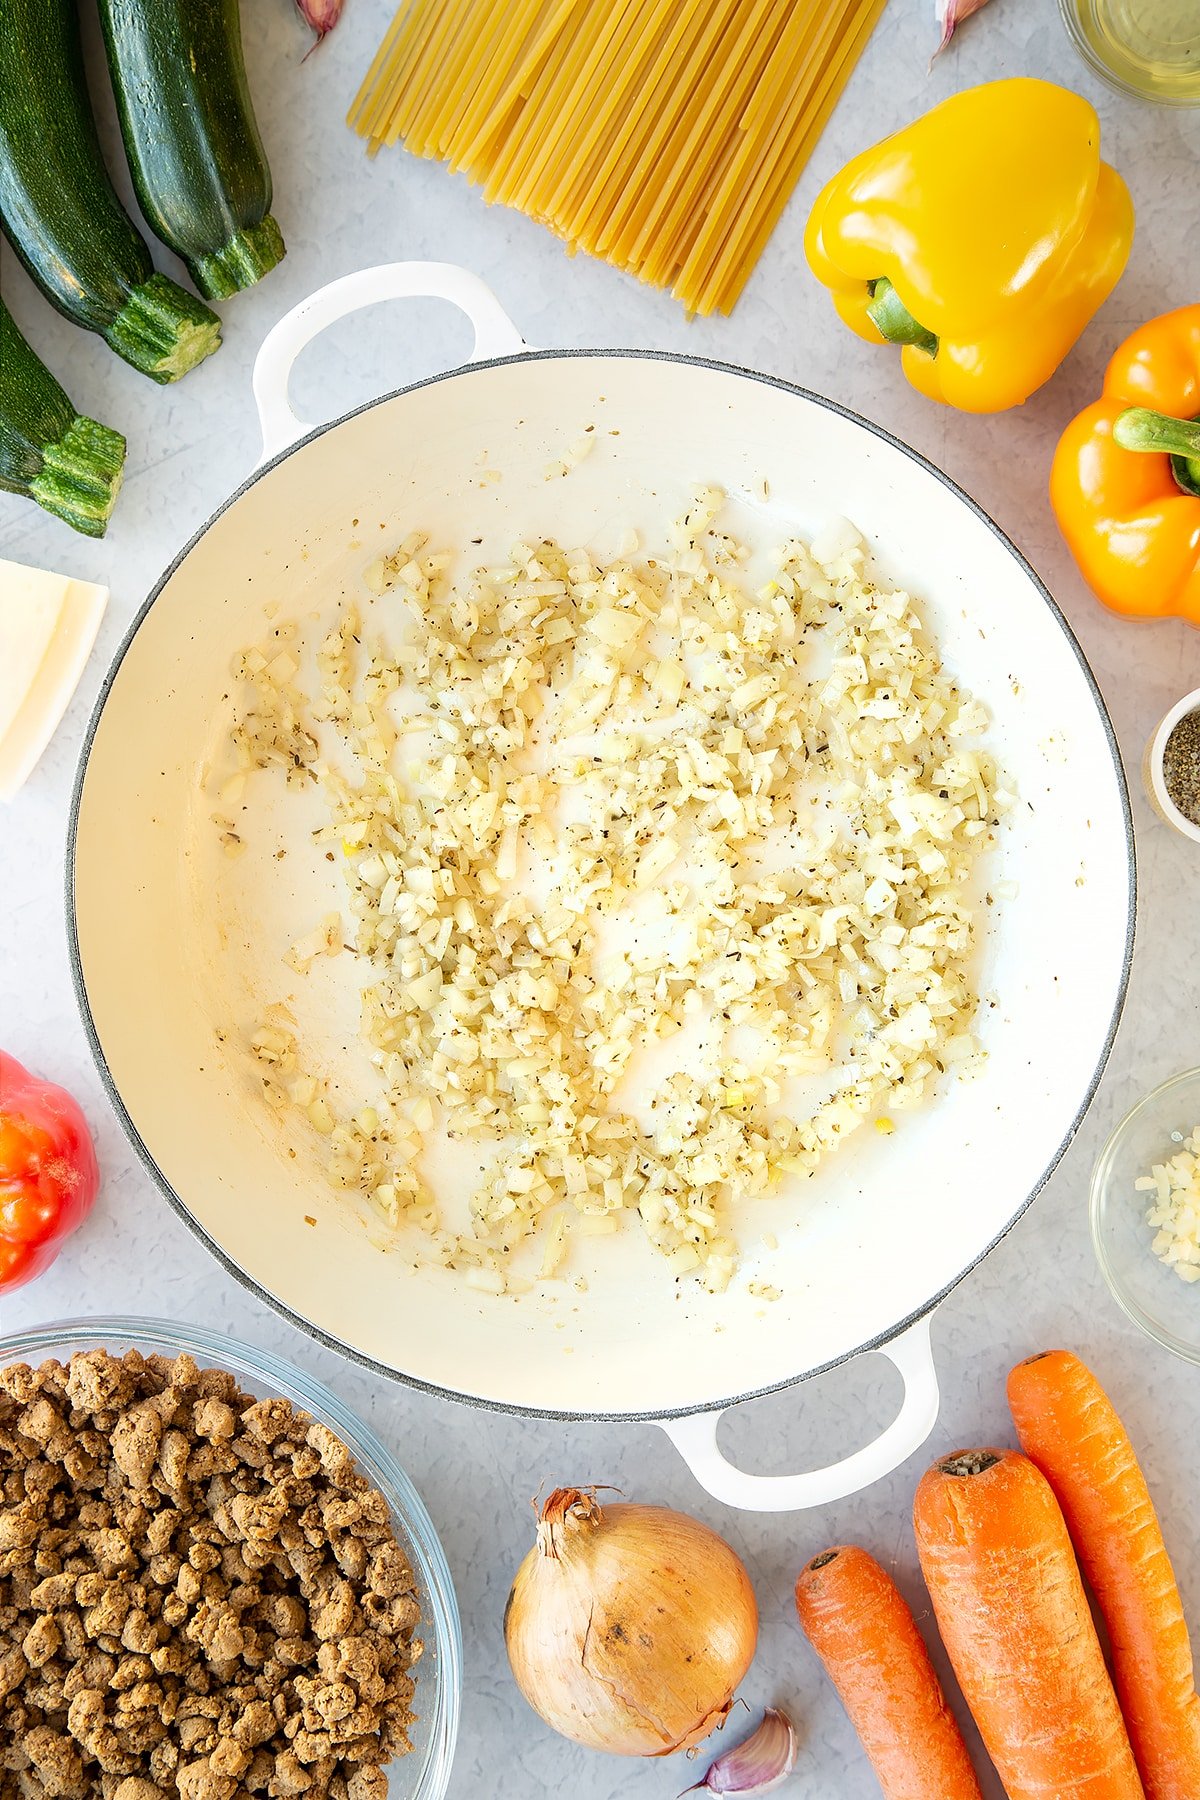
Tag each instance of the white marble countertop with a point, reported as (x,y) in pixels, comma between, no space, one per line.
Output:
(190,444)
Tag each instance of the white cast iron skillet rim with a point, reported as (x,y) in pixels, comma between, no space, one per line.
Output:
(305,1325)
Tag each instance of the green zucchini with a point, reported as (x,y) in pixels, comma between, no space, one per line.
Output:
(197,160)
(48,451)
(61,211)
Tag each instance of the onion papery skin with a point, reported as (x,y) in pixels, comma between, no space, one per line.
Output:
(629,1627)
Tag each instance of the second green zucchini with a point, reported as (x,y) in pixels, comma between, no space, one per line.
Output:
(61,211)
(194,150)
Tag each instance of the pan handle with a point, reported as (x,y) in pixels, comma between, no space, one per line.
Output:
(495,333)
(695,1438)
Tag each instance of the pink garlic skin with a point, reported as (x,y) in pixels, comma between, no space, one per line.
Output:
(322,15)
(951,14)
(758,1764)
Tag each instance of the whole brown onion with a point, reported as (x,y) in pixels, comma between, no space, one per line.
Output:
(628,1627)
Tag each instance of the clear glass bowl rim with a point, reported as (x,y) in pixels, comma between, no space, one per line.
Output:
(1101,1178)
(1120,83)
(213,1348)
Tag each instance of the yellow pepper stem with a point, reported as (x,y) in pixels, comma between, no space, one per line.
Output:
(1138,428)
(894,320)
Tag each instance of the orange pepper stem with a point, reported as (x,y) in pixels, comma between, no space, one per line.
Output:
(1138,428)
(894,320)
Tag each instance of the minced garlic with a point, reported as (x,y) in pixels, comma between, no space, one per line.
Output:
(586,807)
(1175,1210)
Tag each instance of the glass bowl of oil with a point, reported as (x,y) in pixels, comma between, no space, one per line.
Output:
(1148,48)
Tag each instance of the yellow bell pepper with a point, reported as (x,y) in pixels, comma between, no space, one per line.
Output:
(982,239)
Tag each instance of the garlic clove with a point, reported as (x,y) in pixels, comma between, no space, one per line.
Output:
(322,15)
(950,15)
(758,1764)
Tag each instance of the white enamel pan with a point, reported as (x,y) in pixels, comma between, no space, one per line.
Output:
(176,951)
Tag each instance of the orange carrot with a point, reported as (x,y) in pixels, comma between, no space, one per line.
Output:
(860,1627)
(1069,1427)
(1014,1618)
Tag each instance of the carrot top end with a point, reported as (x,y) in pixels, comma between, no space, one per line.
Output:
(968,1462)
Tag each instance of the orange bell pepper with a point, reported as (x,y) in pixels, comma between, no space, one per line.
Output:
(1125,483)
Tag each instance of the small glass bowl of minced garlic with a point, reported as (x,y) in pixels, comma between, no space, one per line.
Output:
(1145,1210)
(1172,767)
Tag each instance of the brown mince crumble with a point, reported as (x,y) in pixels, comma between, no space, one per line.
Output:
(200,1595)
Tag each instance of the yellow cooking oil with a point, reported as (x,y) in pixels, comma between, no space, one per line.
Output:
(1148,47)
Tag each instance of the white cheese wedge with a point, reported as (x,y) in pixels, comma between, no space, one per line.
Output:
(48,624)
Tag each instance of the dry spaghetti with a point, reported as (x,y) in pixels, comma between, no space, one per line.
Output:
(662,135)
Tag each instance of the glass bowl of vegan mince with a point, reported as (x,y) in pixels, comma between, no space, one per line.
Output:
(1171,767)
(286,1392)
(1145,1206)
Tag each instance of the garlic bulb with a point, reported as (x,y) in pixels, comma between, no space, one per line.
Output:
(629,1627)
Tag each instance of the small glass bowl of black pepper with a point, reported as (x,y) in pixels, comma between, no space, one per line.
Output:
(1171,767)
